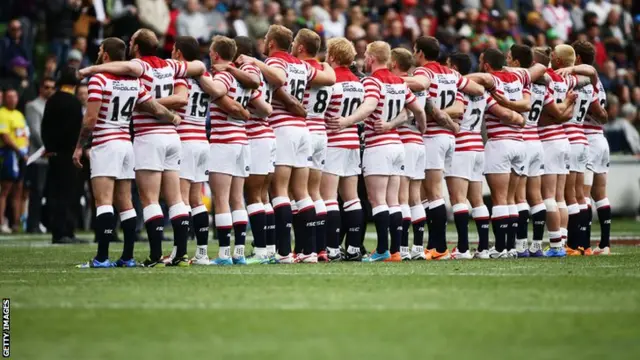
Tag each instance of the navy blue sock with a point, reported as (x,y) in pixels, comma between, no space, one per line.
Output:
(381,220)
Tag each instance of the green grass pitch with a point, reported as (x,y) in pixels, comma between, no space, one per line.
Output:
(573,308)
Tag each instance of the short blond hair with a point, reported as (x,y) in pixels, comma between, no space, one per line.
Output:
(310,40)
(566,54)
(281,35)
(225,47)
(403,58)
(341,50)
(379,50)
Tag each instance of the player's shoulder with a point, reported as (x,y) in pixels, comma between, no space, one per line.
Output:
(314,64)
(343,74)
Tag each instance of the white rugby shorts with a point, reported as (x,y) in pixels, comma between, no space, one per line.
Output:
(534,159)
(195,161)
(578,157)
(383,160)
(263,156)
(439,151)
(556,157)
(503,156)
(598,156)
(318,150)
(466,165)
(230,159)
(112,159)
(293,146)
(157,152)
(343,162)
(414,161)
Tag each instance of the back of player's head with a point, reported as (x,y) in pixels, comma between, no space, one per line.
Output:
(147,42)
(542,55)
(224,47)
(115,48)
(429,46)
(281,36)
(494,57)
(523,54)
(403,59)
(380,51)
(189,47)
(244,46)
(341,51)
(565,55)
(461,61)
(585,50)
(310,40)
(68,76)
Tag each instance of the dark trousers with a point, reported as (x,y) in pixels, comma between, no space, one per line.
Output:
(35,180)
(62,185)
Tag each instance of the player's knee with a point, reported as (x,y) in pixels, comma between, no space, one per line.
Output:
(551,205)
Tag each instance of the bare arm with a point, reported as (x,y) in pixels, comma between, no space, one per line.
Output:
(520,106)
(417,83)
(233,108)
(598,112)
(178,100)
(215,92)
(584,70)
(158,110)
(384,126)
(456,110)
(419,115)
(364,110)
(195,68)
(88,123)
(483,79)
(123,68)
(261,107)
(507,116)
(440,117)
(473,88)
(274,76)
(326,77)
(290,102)
(249,81)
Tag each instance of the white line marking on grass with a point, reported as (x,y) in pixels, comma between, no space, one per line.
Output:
(316,307)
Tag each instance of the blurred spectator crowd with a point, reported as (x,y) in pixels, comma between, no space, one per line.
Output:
(40,36)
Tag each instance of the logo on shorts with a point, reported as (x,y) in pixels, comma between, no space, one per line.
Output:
(567,166)
(522,168)
(402,167)
(322,162)
(246,168)
(607,164)
(206,172)
(541,166)
(310,158)
(178,162)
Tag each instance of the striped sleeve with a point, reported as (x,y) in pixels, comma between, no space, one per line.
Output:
(225,79)
(421,71)
(251,69)
(371,88)
(490,102)
(335,102)
(527,90)
(461,81)
(180,82)
(276,63)
(311,72)
(179,68)
(410,97)
(96,88)
(548,98)
(524,77)
(145,73)
(255,94)
(459,96)
(571,82)
(143,95)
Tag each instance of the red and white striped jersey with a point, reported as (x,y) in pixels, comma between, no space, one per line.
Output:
(117,95)
(558,88)
(299,74)
(193,126)
(445,84)
(540,97)
(158,77)
(409,133)
(316,101)
(512,85)
(224,128)
(470,138)
(346,96)
(573,128)
(591,125)
(258,127)
(392,95)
